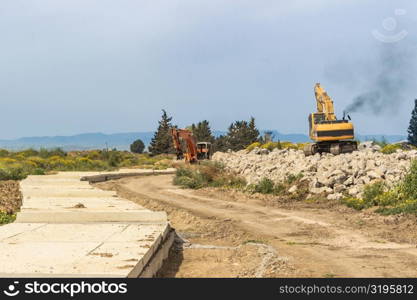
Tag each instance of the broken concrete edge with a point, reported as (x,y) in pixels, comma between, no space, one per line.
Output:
(160,253)
(106,177)
(77,217)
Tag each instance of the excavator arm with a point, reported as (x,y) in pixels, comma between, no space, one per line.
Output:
(176,143)
(324,103)
(185,135)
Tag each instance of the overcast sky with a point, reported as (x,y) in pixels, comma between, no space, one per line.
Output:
(75,66)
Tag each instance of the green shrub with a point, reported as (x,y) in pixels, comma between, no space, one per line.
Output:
(37,162)
(4,153)
(371,193)
(45,153)
(291,178)
(390,148)
(275,145)
(183,172)
(18,165)
(38,171)
(265,186)
(408,207)
(194,182)
(6,218)
(191,179)
(95,155)
(279,188)
(355,203)
(272,145)
(13,173)
(253,146)
(408,187)
(391,197)
(114,158)
(29,152)
(207,174)
(289,145)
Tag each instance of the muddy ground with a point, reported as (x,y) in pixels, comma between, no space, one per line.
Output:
(224,233)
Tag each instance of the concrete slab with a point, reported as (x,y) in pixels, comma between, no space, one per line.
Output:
(57,192)
(77,215)
(124,173)
(55,203)
(109,236)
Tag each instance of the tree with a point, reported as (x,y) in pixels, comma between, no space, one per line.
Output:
(202,132)
(221,143)
(253,132)
(162,141)
(240,135)
(137,146)
(412,128)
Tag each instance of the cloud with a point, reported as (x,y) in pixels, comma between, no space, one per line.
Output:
(110,66)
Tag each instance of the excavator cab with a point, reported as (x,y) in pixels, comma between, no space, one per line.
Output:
(324,130)
(204,150)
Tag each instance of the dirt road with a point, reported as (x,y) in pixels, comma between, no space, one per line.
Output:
(232,234)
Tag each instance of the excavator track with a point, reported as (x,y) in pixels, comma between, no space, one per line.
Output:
(334,147)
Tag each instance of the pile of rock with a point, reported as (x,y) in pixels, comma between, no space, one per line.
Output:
(327,174)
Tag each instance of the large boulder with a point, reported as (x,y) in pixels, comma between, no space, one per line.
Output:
(336,196)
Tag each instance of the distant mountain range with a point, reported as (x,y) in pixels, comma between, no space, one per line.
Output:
(84,141)
(122,141)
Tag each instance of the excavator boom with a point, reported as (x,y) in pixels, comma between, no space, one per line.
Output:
(324,103)
(185,135)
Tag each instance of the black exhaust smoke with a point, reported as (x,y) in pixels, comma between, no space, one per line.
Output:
(386,82)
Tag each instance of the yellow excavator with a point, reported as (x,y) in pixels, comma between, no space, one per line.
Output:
(328,133)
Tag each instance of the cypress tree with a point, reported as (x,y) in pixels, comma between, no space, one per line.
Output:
(162,140)
(253,132)
(412,128)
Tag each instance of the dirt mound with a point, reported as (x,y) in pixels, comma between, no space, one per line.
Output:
(10,196)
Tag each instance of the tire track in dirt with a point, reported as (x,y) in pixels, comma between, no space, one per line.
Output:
(315,243)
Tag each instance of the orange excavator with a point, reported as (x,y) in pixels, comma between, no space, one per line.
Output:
(187,147)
